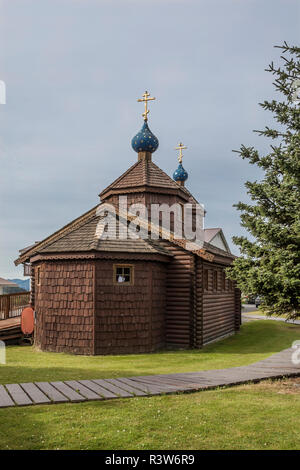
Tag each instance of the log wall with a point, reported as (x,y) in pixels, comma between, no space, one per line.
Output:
(219,298)
(179,297)
(198,342)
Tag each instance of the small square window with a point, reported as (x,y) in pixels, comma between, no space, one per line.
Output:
(123,274)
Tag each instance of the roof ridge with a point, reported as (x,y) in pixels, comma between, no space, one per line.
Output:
(120,177)
(175,184)
(168,177)
(73,229)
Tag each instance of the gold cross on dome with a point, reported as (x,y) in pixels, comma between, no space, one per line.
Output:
(180,148)
(145,99)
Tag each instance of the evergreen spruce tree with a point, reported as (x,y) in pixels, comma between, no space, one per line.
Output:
(269,264)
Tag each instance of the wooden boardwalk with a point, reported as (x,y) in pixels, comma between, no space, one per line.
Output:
(70,391)
(10,329)
(10,322)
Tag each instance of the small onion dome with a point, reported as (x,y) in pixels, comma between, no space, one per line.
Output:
(144,141)
(180,174)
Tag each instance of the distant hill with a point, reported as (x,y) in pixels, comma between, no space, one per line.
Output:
(22,283)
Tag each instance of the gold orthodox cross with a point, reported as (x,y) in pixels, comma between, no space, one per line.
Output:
(145,99)
(180,148)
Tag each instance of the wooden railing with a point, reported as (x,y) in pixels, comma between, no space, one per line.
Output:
(11,305)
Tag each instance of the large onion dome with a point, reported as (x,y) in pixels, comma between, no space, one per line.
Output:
(144,141)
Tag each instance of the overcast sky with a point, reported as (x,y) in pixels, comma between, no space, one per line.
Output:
(74,70)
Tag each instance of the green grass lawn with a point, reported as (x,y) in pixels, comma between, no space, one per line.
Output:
(255,341)
(261,416)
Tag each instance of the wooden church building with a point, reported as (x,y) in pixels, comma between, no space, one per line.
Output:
(96,295)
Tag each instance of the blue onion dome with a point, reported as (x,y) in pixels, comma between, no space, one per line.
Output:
(144,141)
(180,174)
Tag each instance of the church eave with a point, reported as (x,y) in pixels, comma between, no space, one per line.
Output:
(94,255)
(145,189)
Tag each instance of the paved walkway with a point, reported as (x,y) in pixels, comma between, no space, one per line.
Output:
(275,366)
(264,317)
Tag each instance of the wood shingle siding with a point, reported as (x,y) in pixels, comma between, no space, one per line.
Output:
(64,307)
(130,318)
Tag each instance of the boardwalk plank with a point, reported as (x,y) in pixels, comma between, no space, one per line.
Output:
(18,395)
(149,383)
(178,382)
(36,395)
(103,392)
(169,384)
(84,391)
(5,399)
(127,387)
(113,388)
(156,386)
(51,392)
(140,386)
(156,381)
(68,391)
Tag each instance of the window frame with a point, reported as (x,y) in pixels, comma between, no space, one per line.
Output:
(131,267)
(26,269)
(38,275)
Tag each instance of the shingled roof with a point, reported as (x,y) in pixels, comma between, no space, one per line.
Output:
(85,238)
(82,237)
(144,173)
